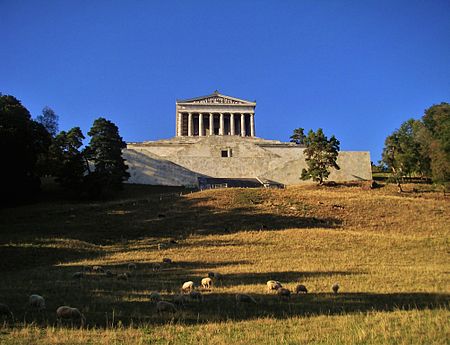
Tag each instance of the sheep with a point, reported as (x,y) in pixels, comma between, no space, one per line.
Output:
(244,298)
(335,287)
(188,286)
(78,275)
(163,306)
(132,266)
(98,269)
(5,311)
(284,294)
(301,288)
(36,302)
(207,283)
(196,296)
(273,285)
(167,260)
(67,313)
(155,296)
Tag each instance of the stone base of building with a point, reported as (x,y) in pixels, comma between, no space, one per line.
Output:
(181,161)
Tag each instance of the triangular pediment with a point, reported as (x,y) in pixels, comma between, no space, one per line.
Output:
(216,98)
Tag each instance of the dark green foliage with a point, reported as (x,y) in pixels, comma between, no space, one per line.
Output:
(105,153)
(66,161)
(298,136)
(320,155)
(22,142)
(421,147)
(49,120)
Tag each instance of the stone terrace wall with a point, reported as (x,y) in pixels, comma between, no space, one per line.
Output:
(180,162)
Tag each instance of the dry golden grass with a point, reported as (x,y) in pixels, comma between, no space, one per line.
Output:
(389,253)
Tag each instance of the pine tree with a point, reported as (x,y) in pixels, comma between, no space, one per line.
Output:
(320,155)
(105,153)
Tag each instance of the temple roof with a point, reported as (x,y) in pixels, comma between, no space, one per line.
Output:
(216,98)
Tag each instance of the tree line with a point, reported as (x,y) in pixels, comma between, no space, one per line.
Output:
(420,148)
(32,149)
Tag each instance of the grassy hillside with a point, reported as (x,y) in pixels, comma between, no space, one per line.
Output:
(388,252)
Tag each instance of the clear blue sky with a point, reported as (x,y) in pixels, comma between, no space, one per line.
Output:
(358,69)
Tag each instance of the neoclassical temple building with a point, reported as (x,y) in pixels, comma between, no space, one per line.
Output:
(215,114)
(216,144)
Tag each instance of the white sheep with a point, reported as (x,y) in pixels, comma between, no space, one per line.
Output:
(67,313)
(196,296)
(207,283)
(155,296)
(36,302)
(244,298)
(284,294)
(163,306)
(188,286)
(335,287)
(5,311)
(273,285)
(301,288)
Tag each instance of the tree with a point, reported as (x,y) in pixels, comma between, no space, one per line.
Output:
(66,161)
(320,155)
(49,120)
(22,140)
(298,136)
(105,153)
(436,123)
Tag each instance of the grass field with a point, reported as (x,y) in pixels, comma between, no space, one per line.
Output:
(388,252)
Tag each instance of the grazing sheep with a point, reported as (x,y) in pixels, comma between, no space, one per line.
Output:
(36,302)
(78,275)
(5,311)
(98,269)
(67,313)
(244,298)
(163,306)
(122,276)
(188,286)
(167,261)
(155,296)
(273,285)
(335,287)
(132,266)
(284,294)
(207,283)
(301,288)
(196,296)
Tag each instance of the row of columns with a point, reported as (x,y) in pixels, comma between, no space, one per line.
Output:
(201,126)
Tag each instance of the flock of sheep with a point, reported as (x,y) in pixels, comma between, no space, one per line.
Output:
(188,293)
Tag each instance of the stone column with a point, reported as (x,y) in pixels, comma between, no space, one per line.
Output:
(200,125)
(190,124)
(178,120)
(221,128)
(252,125)
(211,124)
(232,124)
(243,125)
